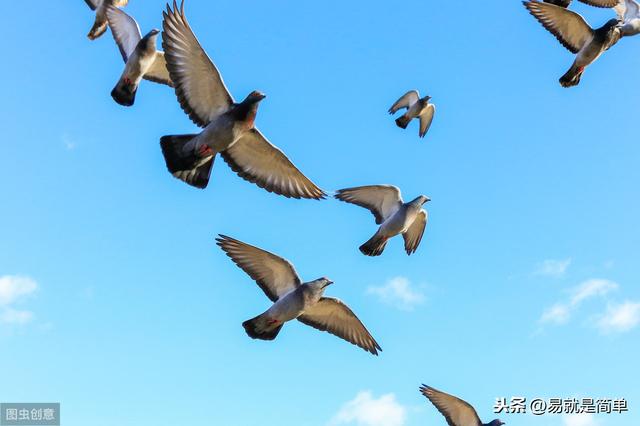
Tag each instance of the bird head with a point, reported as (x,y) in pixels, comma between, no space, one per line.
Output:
(320,284)
(613,23)
(255,97)
(421,200)
(496,422)
(426,99)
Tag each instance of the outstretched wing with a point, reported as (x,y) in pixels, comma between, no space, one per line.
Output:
(426,118)
(405,101)
(275,276)
(199,86)
(456,411)
(601,3)
(158,72)
(413,235)
(381,200)
(255,159)
(125,30)
(571,30)
(333,316)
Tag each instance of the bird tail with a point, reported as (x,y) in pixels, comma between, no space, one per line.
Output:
(99,28)
(124,94)
(375,246)
(572,77)
(184,163)
(403,121)
(263,328)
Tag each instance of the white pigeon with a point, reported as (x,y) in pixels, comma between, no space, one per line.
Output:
(629,13)
(417,107)
(392,214)
(100,7)
(142,59)
(293,299)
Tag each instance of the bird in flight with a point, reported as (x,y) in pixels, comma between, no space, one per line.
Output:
(100,7)
(417,107)
(456,411)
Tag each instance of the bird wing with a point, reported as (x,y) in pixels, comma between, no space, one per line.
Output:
(456,411)
(333,316)
(119,3)
(426,118)
(405,101)
(601,3)
(628,10)
(413,235)
(125,30)
(158,73)
(255,159)
(93,4)
(275,276)
(571,30)
(199,86)
(381,200)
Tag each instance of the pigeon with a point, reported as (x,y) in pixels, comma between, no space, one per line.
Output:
(596,3)
(391,213)
(100,6)
(141,58)
(575,34)
(417,107)
(456,411)
(228,126)
(629,13)
(293,299)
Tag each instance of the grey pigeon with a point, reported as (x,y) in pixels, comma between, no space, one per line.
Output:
(392,214)
(293,299)
(456,411)
(141,58)
(596,3)
(629,13)
(228,126)
(100,7)
(417,107)
(573,32)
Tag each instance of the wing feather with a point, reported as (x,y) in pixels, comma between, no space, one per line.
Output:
(405,101)
(571,30)
(413,235)
(381,200)
(456,411)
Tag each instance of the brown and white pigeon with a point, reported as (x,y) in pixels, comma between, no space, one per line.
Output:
(142,59)
(100,7)
(417,107)
(293,299)
(394,216)
(629,13)
(456,411)
(228,125)
(573,32)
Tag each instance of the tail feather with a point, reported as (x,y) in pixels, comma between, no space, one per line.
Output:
(403,121)
(375,246)
(124,94)
(261,327)
(186,164)
(572,77)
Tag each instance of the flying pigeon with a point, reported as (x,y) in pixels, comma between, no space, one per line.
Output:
(141,58)
(596,3)
(228,126)
(100,6)
(629,13)
(391,213)
(575,34)
(292,299)
(416,108)
(456,411)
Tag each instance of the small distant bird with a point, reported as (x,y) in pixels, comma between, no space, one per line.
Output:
(629,13)
(141,58)
(596,3)
(576,35)
(228,126)
(292,299)
(456,411)
(100,6)
(391,213)
(417,107)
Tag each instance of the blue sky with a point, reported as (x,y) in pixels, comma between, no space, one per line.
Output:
(118,304)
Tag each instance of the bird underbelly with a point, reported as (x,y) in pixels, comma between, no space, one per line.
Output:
(217,137)
(588,56)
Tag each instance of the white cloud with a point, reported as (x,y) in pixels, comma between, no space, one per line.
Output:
(14,287)
(398,292)
(620,318)
(14,316)
(553,268)
(561,312)
(69,144)
(579,420)
(365,410)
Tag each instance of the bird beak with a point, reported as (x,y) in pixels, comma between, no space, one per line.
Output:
(261,96)
(427,200)
(155,31)
(328,284)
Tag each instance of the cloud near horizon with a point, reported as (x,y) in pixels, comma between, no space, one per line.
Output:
(398,292)
(365,410)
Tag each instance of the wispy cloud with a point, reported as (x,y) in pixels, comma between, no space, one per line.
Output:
(579,420)
(398,292)
(553,267)
(365,410)
(13,289)
(561,312)
(68,142)
(620,318)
